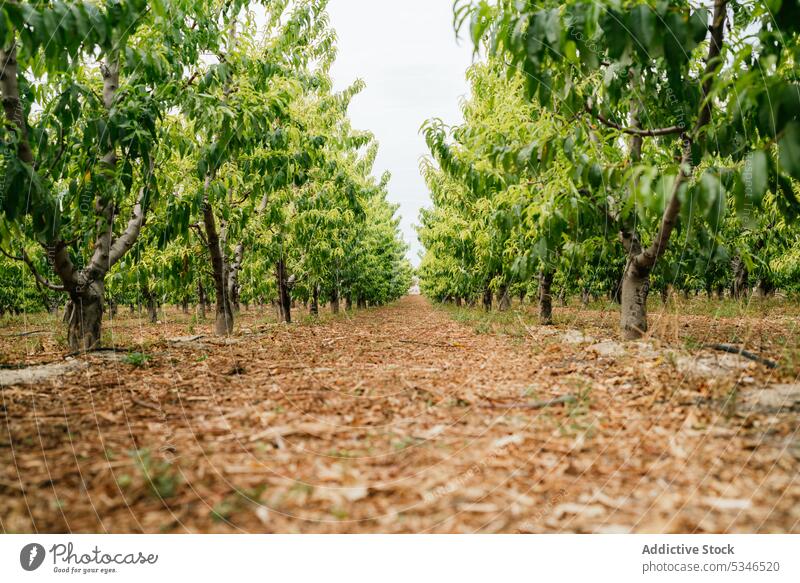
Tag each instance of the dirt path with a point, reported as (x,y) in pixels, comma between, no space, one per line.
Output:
(397,419)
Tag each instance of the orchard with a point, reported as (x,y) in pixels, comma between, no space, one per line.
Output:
(326,266)
(154,149)
(619,148)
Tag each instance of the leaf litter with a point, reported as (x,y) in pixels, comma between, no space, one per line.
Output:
(401,419)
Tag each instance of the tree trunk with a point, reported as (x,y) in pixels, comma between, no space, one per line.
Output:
(585,297)
(335,301)
(665,293)
(636,282)
(185,305)
(503,299)
(223,322)
(740,278)
(315,300)
(487,299)
(201,302)
(635,287)
(361,303)
(348,302)
(545,297)
(765,287)
(458,301)
(562,297)
(150,302)
(284,297)
(233,276)
(84,317)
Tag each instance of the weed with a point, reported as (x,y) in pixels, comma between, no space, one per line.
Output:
(339,513)
(236,502)
(483,328)
(161,475)
(137,359)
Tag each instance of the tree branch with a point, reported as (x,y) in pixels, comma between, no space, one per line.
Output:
(633,131)
(40,281)
(650,255)
(125,241)
(105,209)
(197,227)
(12,104)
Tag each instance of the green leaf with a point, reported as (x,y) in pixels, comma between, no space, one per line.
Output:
(755,175)
(642,22)
(698,24)
(789,150)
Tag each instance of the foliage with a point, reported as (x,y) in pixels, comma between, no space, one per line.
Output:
(644,142)
(158,152)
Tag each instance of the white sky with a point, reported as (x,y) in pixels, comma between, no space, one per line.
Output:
(407,54)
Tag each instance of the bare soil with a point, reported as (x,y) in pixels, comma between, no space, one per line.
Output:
(406,418)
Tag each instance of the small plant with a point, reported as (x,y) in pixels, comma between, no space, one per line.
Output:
(236,502)
(483,327)
(124,480)
(137,359)
(160,475)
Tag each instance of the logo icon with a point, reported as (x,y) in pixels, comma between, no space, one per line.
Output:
(31,556)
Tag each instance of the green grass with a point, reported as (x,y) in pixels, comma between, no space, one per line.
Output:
(136,359)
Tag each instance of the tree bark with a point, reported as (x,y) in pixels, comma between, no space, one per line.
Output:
(740,285)
(201,299)
(233,276)
(315,300)
(335,300)
(284,296)
(635,288)
(150,302)
(545,297)
(223,323)
(84,316)
(665,293)
(562,297)
(636,281)
(12,104)
(487,299)
(348,302)
(503,298)
(765,287)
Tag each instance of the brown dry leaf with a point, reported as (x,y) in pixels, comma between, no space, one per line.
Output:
(340,426)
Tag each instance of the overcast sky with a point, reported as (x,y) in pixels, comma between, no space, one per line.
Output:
(407,54)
